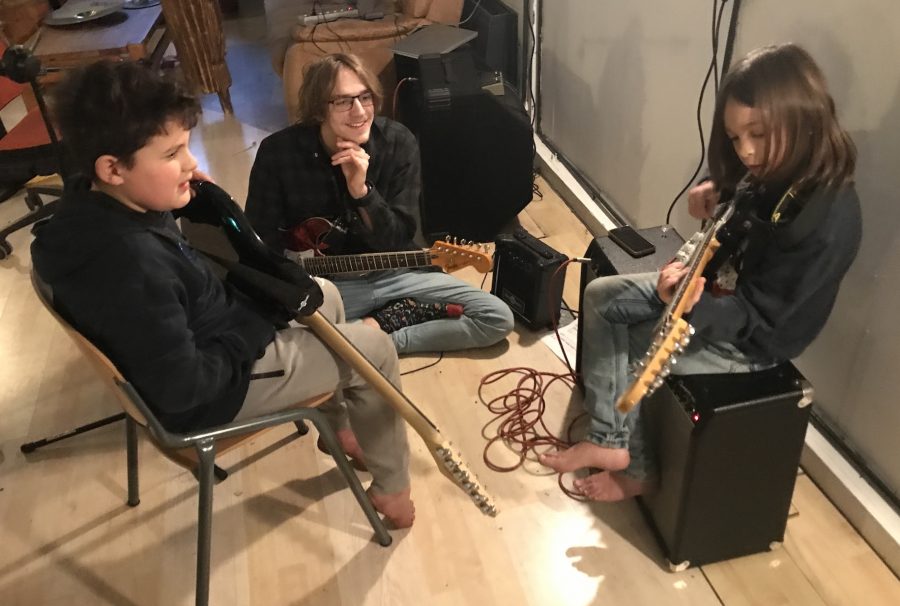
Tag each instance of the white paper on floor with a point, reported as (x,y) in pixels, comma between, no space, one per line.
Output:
(569,336)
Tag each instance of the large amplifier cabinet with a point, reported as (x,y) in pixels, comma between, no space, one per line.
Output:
(729,449)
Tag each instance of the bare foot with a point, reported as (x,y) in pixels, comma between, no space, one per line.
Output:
(586,454)
(347,440)
(610,487)
(397,507)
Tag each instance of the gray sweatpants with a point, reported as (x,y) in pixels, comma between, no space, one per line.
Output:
(311,368)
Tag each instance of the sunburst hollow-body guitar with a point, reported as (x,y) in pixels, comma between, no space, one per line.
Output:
(310,250)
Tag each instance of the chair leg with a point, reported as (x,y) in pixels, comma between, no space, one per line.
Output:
(34,216)
(131,455)
(32,446)
(206,452)
(331,442)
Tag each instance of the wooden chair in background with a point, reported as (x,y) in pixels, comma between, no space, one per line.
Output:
(196,29)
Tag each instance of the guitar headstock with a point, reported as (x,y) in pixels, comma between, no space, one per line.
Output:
(670,341)
(451,465)
(460,253)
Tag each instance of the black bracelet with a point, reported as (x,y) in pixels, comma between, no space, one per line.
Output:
(365,200)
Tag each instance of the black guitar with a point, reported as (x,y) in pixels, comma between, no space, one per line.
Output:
(262,267)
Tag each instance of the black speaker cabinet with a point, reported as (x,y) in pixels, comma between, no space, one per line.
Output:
(729,448)
(525,278)
(477,148)
(609,259)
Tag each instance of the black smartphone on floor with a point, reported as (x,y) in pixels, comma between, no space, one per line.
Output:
(631,242)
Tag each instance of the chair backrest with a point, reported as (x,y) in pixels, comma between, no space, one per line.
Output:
(104,367)
(25,147)
(9,89)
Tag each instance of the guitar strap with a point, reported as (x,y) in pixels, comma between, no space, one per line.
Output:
(761,215)
(809,216)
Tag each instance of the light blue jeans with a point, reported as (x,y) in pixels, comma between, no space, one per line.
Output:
(619,315)
(485,320)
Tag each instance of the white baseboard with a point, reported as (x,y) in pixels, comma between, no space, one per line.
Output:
(579,200)
(865,509)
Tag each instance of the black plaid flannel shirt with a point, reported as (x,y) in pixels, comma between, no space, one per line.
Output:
(292,180)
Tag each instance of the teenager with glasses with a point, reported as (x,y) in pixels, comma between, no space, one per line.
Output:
(362,174)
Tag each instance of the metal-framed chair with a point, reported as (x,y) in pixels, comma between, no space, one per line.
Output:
(197,450)
(29,148)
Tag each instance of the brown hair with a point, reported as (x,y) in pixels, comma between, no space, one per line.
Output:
(318,82)
(798,114)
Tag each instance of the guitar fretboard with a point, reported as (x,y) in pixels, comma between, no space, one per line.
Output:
(318,266)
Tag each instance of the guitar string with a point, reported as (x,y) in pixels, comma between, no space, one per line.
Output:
(365,262)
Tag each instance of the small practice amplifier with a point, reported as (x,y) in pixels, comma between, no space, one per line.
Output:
(524,269)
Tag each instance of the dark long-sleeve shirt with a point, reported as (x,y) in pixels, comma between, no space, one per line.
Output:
(788,278)
(131,284)
(292,180)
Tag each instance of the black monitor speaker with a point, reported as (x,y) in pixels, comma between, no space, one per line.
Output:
(497,41)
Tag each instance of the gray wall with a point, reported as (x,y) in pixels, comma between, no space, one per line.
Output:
(619,87)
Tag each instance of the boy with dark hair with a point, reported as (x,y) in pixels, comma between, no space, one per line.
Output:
(198,351)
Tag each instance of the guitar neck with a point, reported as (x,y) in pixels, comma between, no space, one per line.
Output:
(685,290)
(700,258)
(449,462)
(340,264)
(347,351)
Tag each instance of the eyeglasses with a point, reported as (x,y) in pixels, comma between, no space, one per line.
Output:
(343,104)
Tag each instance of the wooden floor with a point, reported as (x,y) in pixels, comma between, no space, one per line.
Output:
(286,532)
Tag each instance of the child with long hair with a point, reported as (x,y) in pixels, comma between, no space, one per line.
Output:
(778,150)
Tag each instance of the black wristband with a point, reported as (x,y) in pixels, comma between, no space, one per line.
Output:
(365,200)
